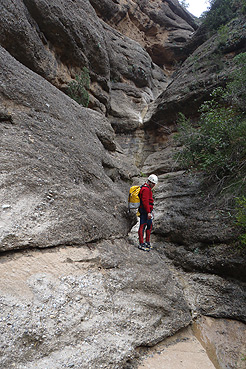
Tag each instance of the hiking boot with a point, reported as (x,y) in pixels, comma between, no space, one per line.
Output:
(143,247)
(148,245)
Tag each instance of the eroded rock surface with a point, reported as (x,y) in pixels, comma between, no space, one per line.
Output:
(208,67)
(90,297)
(90,306)
(161,27)
(57,39)
(198,231)
(58,160)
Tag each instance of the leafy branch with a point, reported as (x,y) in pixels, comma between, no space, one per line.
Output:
(77,89)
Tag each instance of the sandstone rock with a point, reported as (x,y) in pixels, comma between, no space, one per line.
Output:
(162,28)
(206,68)
(91,307)
(226,336)
(180,200)
(53,166)
(163,159)
(56,40)
(199,233)
(135,81)
(52,38)
(65,177)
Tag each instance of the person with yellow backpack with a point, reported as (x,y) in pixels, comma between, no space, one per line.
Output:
(145,210)
(141,198)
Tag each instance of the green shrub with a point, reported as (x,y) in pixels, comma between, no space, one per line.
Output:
(223,33)
(241,218)
(217,145)
(221,12)
(240,6)
(236,89)
(77,89)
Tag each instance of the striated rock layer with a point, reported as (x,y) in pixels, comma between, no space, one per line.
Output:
(207,67)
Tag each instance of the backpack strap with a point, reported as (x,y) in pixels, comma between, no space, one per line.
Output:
(140,193)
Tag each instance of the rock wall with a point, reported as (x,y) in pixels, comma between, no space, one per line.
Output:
(206,68)
(75,290)
(160,27)
(59,162)
(129,48)
(66,153)
(57,39)
(197,223)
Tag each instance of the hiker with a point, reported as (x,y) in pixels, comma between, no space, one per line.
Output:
(145,210)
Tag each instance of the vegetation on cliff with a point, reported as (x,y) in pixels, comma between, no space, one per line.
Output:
(221,12)
(217,146)
(77,89)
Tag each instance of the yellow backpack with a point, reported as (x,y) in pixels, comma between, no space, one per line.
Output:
(133,198)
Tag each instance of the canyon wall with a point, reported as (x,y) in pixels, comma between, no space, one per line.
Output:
(75,290)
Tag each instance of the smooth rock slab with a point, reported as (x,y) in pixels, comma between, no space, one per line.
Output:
(181,351)
(89,307)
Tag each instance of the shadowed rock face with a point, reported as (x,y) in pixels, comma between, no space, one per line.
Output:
(52,38)
(135,81)
(205,69)
(161,27)
(57,39)
(196,222)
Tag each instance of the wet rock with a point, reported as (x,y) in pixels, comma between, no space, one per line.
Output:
(224,341)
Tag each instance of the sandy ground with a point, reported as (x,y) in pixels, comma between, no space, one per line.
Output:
(182,351)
